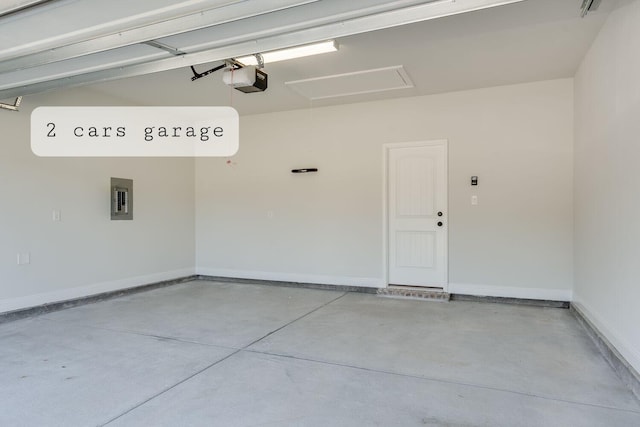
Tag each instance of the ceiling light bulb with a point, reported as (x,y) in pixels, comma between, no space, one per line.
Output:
(291,53)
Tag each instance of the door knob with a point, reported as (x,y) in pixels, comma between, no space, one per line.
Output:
(439,223)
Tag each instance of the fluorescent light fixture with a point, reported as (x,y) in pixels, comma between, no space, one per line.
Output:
(292,53)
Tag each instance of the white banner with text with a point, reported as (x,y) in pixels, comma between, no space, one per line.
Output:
(135,131)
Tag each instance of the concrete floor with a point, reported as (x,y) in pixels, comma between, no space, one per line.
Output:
(222,354)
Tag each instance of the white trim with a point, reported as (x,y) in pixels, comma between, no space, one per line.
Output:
(368,282)
(410,144)
(624,347)
(385,196)
(510,292)
(11,304)
(385,214)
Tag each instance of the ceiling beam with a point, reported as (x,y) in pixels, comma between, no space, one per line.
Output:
(13,6)
(244,40)
(48,52)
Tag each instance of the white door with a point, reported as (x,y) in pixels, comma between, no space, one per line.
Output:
(417,214)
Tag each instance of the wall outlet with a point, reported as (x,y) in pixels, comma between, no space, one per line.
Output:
(24,258)
(474,200)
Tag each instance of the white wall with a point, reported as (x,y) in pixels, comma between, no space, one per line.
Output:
(607,197)
(253,218)
(327,227)
(86,253)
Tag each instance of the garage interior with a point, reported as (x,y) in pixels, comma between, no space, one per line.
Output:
(240,293)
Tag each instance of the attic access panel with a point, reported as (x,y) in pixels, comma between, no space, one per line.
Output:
(355,83)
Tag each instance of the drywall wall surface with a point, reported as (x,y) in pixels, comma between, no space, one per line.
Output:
(256,219)
(607,201)
(85,252)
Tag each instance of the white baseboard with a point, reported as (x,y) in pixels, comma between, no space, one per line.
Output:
(510,292)
(12,304)
(368,282)
(623,346)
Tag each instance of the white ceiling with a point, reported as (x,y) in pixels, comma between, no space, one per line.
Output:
(524,41)
(63,43)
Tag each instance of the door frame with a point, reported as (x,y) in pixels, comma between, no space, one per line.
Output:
(386,148)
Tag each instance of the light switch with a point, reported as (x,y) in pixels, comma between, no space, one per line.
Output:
(24,258)
(474,200)
(56,215)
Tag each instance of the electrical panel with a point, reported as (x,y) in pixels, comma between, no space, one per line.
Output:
(121,199)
